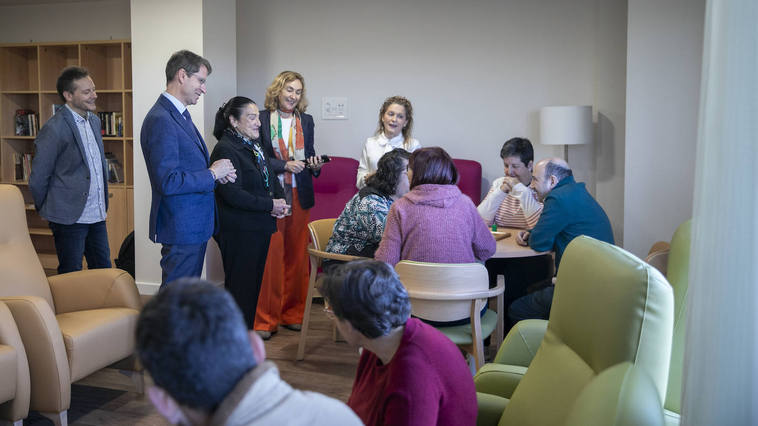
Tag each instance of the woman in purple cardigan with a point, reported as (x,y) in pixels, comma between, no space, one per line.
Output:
(434,222)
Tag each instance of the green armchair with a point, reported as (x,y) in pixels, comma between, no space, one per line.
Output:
(609,308)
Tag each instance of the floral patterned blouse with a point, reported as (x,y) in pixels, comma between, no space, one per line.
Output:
(360,226)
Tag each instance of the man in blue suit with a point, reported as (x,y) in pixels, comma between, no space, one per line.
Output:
(69,176)
(182,213)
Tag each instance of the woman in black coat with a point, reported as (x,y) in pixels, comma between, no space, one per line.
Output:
(247,207)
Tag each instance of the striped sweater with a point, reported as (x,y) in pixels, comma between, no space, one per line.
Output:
(517,209)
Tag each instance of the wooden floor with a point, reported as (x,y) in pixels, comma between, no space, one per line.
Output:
(108,398)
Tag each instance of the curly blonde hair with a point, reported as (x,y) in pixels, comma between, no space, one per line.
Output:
(405,103)
(275,88)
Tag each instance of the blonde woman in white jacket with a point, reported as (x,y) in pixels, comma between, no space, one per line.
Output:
(393,131)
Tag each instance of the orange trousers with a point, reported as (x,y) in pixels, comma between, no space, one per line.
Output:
(285,278)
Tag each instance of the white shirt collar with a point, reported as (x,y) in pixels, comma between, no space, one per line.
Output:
(177,103)
(397,141)
(77,118)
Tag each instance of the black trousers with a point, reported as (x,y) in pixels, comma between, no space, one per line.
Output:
(519,273)
(243,254)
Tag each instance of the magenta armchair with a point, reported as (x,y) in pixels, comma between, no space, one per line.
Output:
(334,187)
(470,181)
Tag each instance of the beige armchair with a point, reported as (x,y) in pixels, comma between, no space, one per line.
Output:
(609,309)
(14,370)
(72,324)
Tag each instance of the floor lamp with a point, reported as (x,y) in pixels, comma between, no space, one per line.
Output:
(566,125)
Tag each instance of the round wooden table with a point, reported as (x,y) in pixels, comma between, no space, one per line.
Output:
(508,248)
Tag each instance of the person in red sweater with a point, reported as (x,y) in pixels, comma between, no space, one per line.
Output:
(409,373)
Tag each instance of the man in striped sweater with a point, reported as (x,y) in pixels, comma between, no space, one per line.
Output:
(512,203)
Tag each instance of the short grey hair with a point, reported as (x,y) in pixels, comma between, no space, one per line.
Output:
(369,295)
(560,171)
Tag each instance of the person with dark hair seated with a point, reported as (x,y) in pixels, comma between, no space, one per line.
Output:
(434,221)
(208,369)
(409,373)
(359,228)
(247,207)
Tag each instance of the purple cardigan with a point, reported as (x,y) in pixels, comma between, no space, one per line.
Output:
(435,223)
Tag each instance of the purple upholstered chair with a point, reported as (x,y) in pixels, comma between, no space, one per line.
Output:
(334,187)
(470,178)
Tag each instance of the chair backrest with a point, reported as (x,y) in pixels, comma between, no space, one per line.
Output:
(441,279)
(470,178)
(21,272)
(658,256)
(321,231)
(609,307)
(678,274)
(334,187)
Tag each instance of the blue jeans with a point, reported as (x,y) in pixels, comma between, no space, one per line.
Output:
(532,306)
(81,239)
(181,260)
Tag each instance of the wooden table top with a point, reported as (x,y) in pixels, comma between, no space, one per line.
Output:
(508,248)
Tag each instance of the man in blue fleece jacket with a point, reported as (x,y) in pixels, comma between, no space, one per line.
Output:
(569,211)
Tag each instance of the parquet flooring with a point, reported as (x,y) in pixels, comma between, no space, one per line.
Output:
(108,397)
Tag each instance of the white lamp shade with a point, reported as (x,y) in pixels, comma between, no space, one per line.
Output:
(566,125)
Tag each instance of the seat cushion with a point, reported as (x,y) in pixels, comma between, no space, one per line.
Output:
(96,338)
(8,373)
(461,334)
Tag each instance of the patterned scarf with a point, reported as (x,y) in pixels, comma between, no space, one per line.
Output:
(260,158)
(295,150)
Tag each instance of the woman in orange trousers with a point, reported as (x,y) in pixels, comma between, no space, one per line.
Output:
(287,135)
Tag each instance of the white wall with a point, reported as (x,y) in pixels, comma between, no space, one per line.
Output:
(665,44)
(477,72)
(220,48)
(86,20)
(158,29)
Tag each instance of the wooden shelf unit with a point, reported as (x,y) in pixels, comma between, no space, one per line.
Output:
(28,76)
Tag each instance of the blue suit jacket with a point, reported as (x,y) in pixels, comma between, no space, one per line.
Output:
(303,179)
(60,175)
(182,209)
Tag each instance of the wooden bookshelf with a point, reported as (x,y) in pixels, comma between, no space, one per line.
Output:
(28,76)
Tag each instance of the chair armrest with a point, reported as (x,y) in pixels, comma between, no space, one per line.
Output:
(490,409)
(335,256)
(521,343)
(94,289)
(9,336)
(48,363)
(498,379)
(483,294)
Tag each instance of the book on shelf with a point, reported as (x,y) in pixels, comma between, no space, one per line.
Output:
(27,123)
(115,171)
(111,123)
(56,108)
(23,166)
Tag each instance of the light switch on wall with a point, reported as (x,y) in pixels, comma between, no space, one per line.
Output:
(333,108)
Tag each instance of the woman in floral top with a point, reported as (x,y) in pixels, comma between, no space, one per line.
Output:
(359,228)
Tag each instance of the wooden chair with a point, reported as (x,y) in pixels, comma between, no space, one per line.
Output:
(658,256)
(321,231)
(450,292)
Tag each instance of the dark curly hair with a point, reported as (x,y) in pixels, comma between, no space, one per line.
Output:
(388,171)
(369,295)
